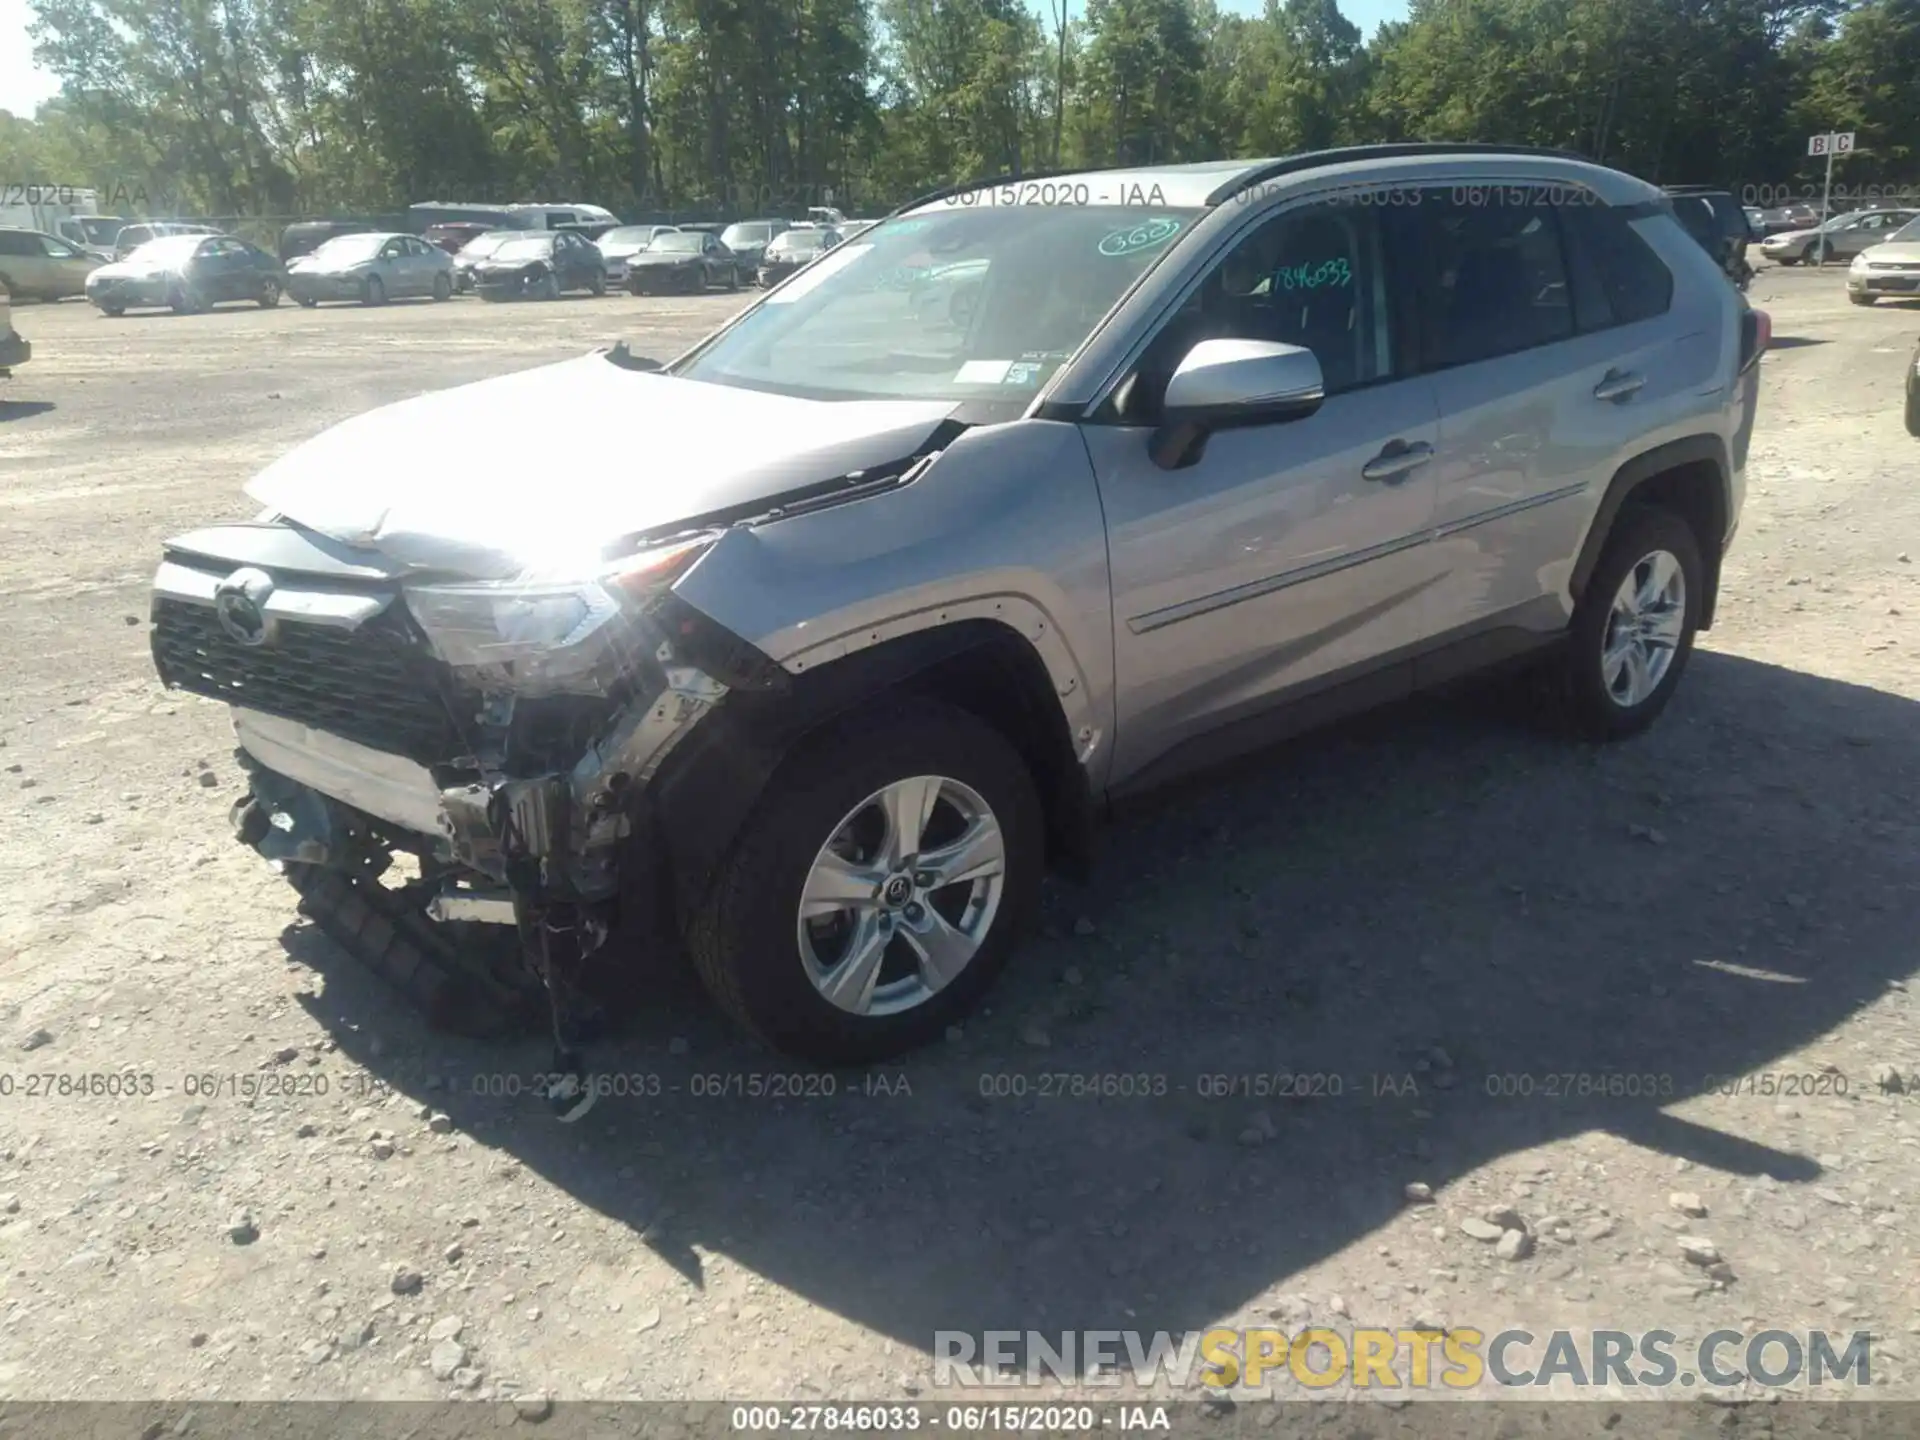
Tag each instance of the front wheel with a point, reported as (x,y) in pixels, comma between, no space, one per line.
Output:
(373,291)
(442,287)
(878,888)
(114,312)
(1913,408)
(187,301)
(733,278)
(269,295)
(548,287)
(598,284)
(1859,299)
(1634,626)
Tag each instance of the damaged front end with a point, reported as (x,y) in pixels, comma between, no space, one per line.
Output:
(501,732)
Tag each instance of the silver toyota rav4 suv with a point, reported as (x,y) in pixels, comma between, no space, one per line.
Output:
(873,602)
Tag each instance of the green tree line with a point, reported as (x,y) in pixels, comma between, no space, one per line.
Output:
(278,107)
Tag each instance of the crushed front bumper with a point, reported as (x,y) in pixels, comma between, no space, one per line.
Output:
(359,741)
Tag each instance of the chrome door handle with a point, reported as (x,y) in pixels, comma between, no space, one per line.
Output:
(1397,461)
(1618,385)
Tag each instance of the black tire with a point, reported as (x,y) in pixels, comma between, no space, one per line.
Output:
(733,278)
(549,287)
(185,300)
(373,291)
(1861,299)
(1913,408)
(442,287)
(1590,709)
(598,285)
(113,312)
(743,938)
(306,302)
(269,295)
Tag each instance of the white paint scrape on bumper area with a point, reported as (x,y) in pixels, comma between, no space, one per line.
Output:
(389,787)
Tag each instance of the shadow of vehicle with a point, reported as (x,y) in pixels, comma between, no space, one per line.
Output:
(1792,342)
(1436,878)
(23,409)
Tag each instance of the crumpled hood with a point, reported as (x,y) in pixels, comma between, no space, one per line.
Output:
(542,468)
(1888,252)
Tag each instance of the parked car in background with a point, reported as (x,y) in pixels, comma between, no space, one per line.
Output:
(14,349)
(622,243)
(455,237)
(889,614)
(1845,237)
(131,237)
(1891,267)
(856,227)
(476,251)
(685,262)
(38,266)
(540,266)
(792,251)
(371,269)
(748,240)
(188,274)
(303,237)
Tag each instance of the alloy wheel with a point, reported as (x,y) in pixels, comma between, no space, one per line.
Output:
(902,895)
(1644,628)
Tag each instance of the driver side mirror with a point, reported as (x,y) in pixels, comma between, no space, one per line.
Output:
(1226,384)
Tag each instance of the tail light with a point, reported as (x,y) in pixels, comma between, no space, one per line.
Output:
(1756,333)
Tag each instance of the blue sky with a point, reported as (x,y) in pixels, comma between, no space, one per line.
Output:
(23,85)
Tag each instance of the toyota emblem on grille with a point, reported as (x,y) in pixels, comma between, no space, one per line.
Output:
(239,603)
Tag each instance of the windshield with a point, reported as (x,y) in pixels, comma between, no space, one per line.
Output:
(735,236)
(484,245)
(347,249)
(1843,222)
(945,304)
(1908,234)
(627,235)
(524,248)
(99,230)
(797,240)
(168,250)
(676,241)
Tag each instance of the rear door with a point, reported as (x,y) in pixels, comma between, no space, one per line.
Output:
(1546,376)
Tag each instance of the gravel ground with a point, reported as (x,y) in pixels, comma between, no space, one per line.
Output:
(1425,908)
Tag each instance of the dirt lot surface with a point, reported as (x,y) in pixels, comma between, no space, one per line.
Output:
(1517,965)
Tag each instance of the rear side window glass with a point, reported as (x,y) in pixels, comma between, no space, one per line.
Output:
(1494,281)
(18,242)
(1617,277)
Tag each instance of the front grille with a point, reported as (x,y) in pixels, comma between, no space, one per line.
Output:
(372,685)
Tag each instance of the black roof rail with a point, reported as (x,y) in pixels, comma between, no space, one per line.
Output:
(1315,159)
(982,184)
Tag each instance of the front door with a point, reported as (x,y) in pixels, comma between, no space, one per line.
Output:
(1289,553)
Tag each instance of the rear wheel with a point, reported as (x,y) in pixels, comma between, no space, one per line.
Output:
(878,888)
(1634,627)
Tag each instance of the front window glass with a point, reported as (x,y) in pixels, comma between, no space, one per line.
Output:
(948,303)
(746,235)
(349,249)
(168,250)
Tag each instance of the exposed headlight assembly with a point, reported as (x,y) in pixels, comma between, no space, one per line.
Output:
(535,635)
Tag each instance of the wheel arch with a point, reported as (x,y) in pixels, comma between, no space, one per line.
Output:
(1689,476)
(712,782)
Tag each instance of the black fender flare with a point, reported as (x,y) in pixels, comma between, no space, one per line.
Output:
(712,781)
(1634,479)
